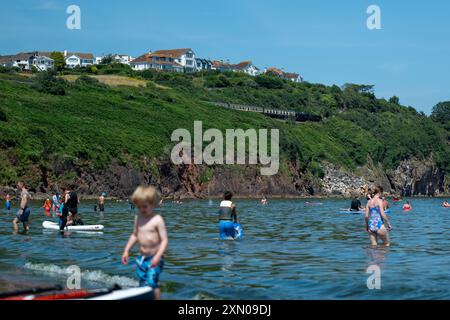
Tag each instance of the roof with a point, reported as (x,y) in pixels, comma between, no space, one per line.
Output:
(173,53)
(81,55)
(281,73)
(16,57)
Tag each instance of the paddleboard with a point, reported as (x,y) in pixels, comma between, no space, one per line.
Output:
(142,293)
(55,226)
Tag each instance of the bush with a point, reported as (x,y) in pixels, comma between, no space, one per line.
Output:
(3,116)
(48,82)
(269,82)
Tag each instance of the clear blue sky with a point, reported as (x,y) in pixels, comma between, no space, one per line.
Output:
(326,41)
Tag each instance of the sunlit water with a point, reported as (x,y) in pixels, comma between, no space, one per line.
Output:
(290,250)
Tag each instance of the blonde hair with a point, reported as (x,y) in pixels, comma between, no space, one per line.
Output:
(147,195)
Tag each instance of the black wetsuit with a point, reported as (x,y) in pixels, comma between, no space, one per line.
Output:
(71,206)
(356,204)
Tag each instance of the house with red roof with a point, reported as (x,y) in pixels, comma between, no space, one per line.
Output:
(178,60)
(291,76)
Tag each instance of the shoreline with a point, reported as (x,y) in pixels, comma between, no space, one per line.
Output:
(90,197)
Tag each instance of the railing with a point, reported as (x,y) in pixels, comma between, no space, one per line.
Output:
(273,113)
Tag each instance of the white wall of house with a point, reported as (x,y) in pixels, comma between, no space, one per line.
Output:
(139,66)
(73,61)
(43,63)
(252,70)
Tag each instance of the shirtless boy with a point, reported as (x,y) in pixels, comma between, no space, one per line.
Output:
(151,235)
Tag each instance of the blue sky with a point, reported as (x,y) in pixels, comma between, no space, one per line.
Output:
(326,41)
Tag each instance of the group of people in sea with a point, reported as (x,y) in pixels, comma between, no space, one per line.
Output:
(150,233)
(64,206)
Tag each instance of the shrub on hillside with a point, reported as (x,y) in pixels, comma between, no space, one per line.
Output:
(3,116)
(269,82)
(85,80)
(48,82)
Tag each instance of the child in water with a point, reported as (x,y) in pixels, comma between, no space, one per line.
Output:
(377,222)
(47,207)
(8,202)
(151,235)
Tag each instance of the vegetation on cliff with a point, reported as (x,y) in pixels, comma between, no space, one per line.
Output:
(53,130)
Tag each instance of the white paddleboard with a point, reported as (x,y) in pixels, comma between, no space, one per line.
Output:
(142,293)
(55,226)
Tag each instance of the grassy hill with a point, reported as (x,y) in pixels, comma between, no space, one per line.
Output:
(54,130)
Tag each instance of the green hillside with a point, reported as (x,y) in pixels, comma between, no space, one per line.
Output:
(47,122)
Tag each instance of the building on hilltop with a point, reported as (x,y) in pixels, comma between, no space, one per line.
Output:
(77,59)
(294,77)
(27,60)
(178,60)
(204,64)
(245,66)
(117,58)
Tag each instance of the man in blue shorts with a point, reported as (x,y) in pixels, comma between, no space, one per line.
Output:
(24,212)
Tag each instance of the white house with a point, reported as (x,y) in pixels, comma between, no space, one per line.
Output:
(204,64)
(42,62)
(291,76)
(245,66)
(170,60)
(119,58)
(76,59)
(28,60)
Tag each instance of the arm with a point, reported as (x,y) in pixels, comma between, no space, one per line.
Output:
(384,216)
(130,244)
(162,231)
(234,213)
(366,216)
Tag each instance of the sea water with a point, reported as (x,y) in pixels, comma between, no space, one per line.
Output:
(292,249)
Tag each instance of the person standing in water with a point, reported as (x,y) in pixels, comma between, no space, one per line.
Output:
(70,209)
(8,202)
(24,212)
(47,207)
(377,222)
(227,217)
(55,202)
(101,202)
(151,234)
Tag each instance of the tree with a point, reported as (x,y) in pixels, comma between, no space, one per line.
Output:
(441,112)
(394,100)
(59,61)
(108,59)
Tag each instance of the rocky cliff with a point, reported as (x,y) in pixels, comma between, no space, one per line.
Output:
(412,177)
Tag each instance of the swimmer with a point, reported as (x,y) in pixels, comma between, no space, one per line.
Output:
(151,235)
(377,222)
(446,204)
(407,206)
(264,201)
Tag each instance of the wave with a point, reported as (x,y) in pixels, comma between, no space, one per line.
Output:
(87,275)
